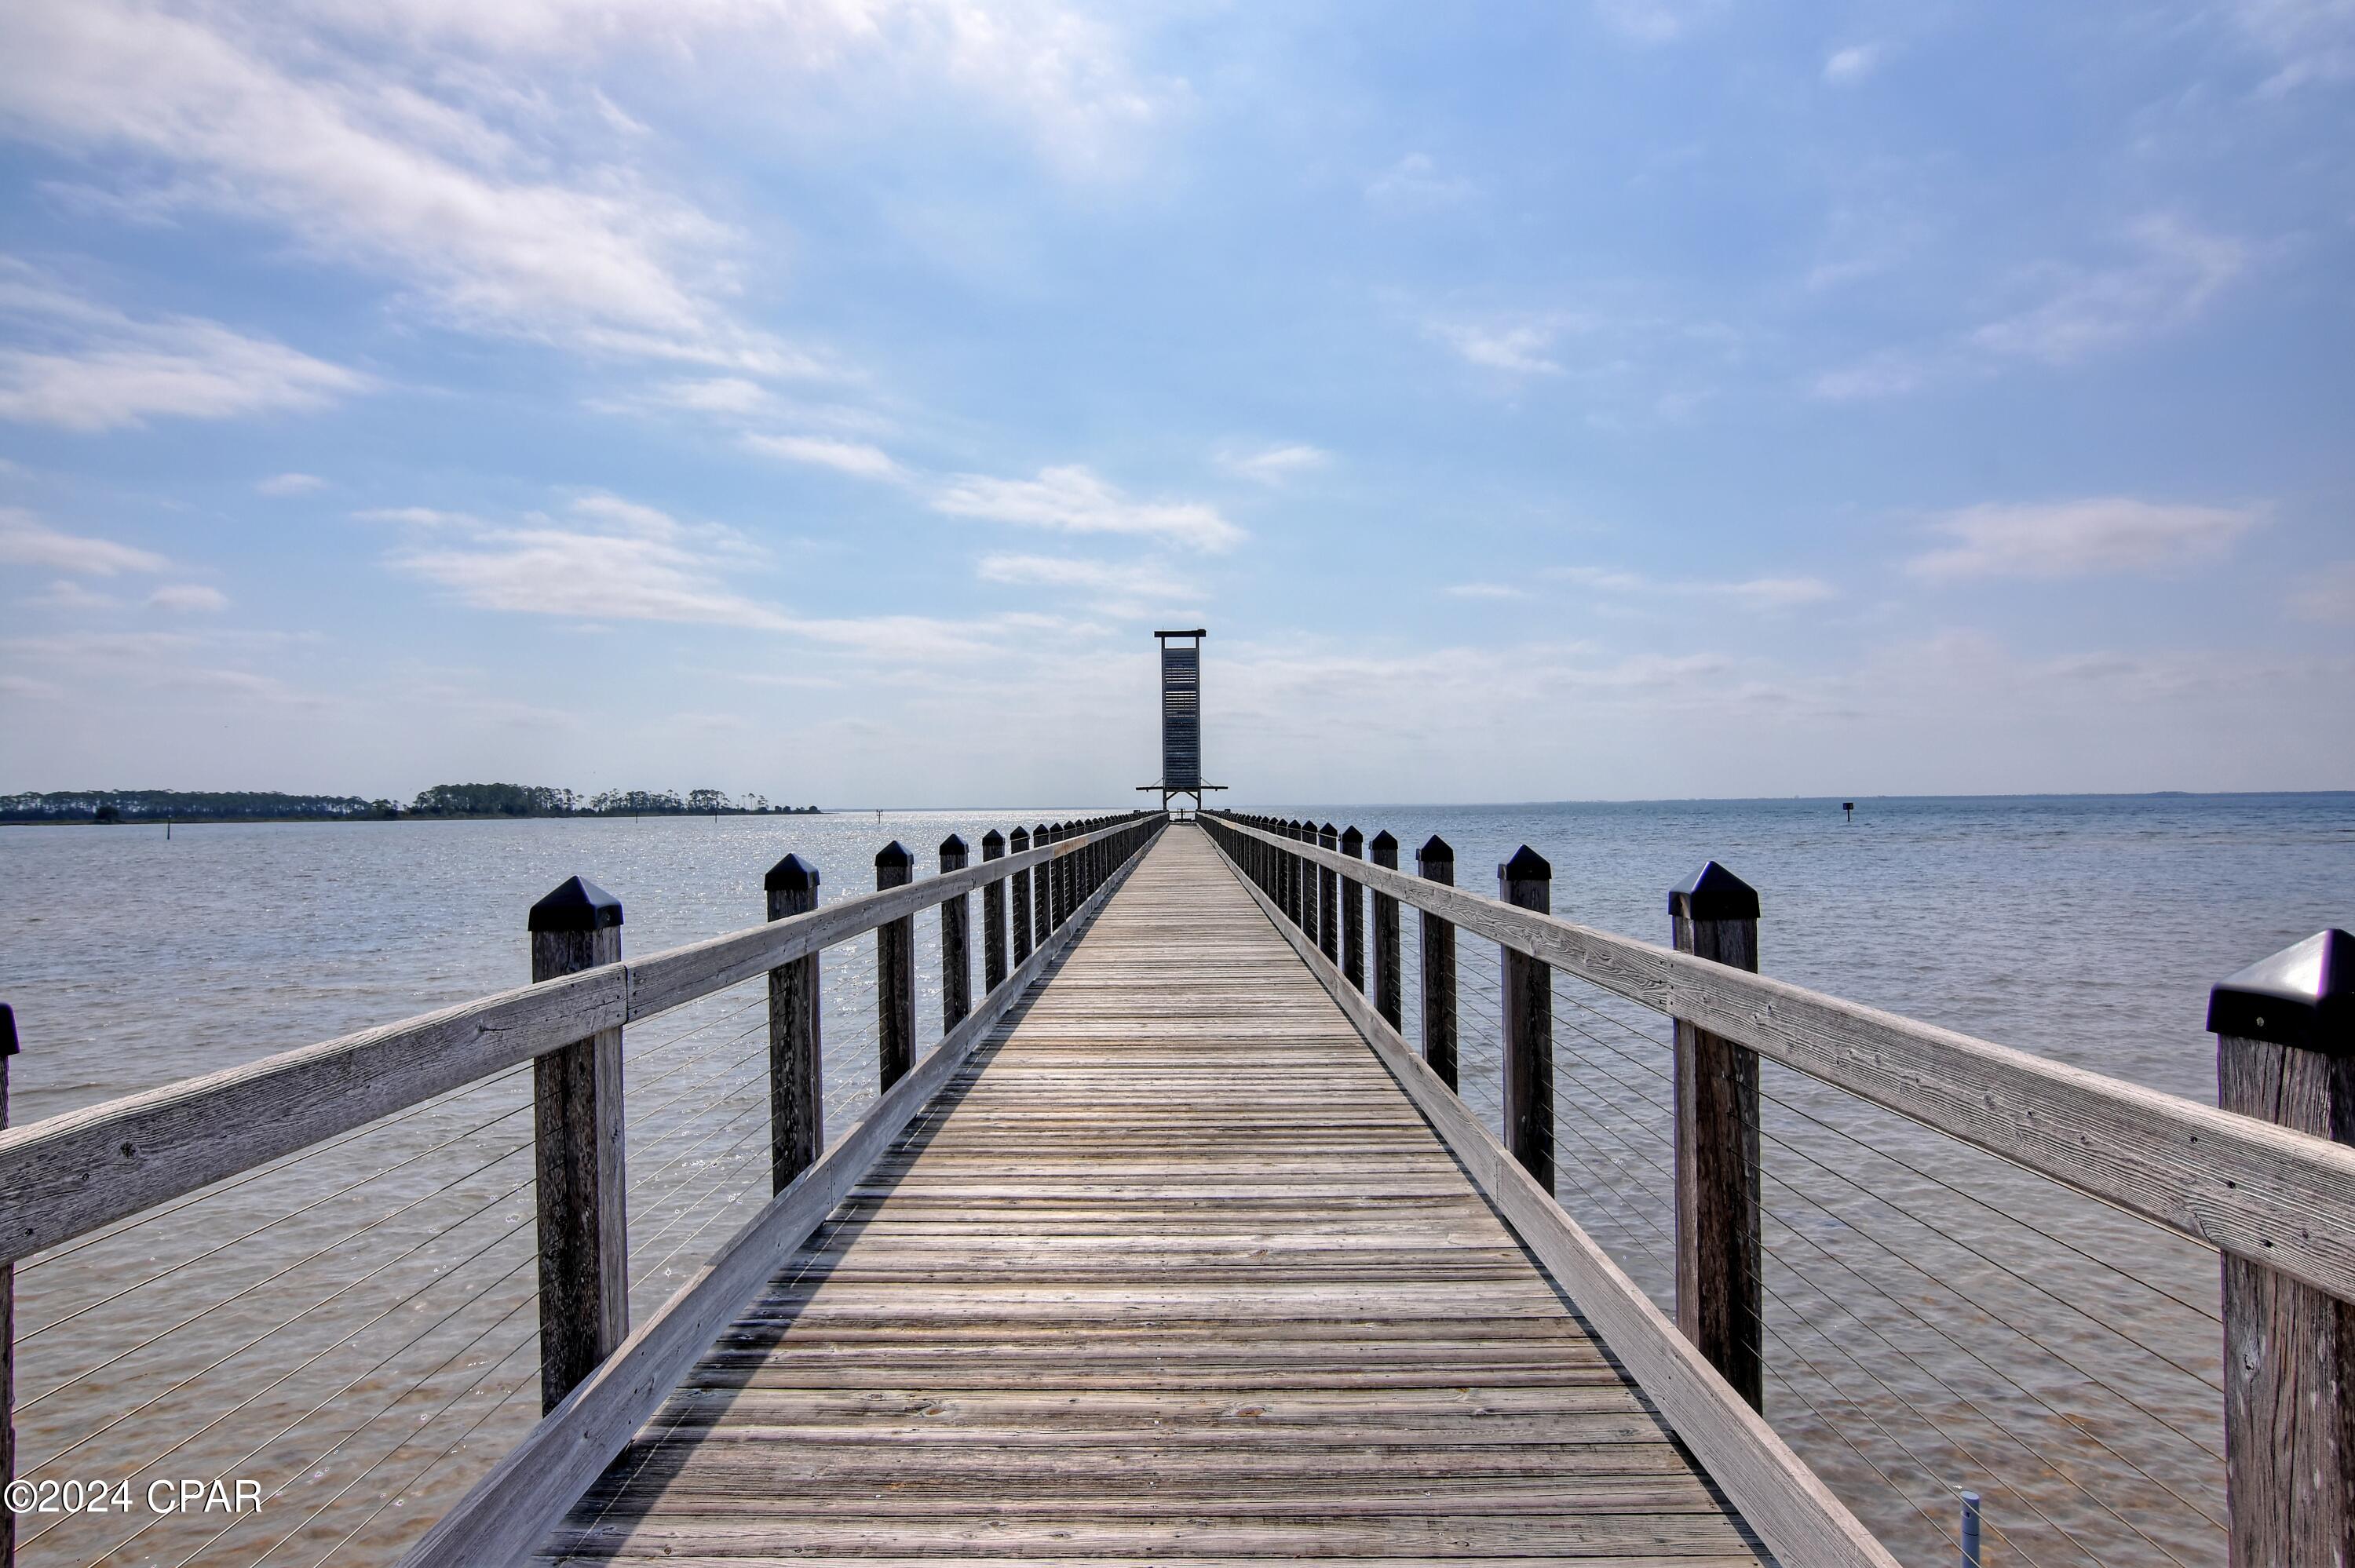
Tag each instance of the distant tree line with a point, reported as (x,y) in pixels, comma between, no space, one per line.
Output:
(441,800)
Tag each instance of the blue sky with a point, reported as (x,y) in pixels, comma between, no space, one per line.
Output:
(826,397)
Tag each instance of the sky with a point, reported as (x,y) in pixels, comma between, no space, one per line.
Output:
(1611,398)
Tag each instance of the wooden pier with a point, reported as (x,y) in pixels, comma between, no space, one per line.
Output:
(1172,1246)
(1175,1270)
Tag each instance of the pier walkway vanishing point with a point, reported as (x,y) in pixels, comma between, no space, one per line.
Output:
(1172,1269)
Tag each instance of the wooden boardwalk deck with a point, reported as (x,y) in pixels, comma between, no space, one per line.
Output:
(1174,1270)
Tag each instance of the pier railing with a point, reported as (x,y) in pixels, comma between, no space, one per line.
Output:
(227,1247)
(2016,1308)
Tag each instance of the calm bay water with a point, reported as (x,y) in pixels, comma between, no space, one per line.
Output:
(2084,929)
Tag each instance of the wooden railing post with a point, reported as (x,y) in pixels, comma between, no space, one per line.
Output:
(895,972)
(7,1327)
(2284,1033)
(1389,984)
(1435,862)
(576,1123)
(1296,876)
(796,1081)
(1526,882)
(1287,865)
(1353,914)
(1308,875)
(1043,889)
(1018,842)
(1059,868)
(957,941)
(1328,898)
(1721,1287)
(993,917)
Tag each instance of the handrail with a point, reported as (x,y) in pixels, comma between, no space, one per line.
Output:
(2282,1199)
(508,1512)
(69,1174)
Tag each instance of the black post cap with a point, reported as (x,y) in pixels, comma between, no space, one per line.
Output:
(1020,839)
(952,844)
(1353,842)
(8,1030)
(791,874)
(1328,832)
(1436,848)
(1527,865)
(893,855)
(1714,892)
(1385,840)
(579,905)
(993,844)
(2302,996)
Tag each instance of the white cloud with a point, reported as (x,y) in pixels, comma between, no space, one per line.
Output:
(1128,581)
(187,598)
(2176,271)
(1058,71)
(67,595)
(2329,595)
(418,517)
(1519,347)
(26,541)
(465,152)
(2308,40)
(718,395)
(1845,67)
(609,559)
(619,561)
(861,459)
(1758,593)
(367,169)
(1074,501)
(2172,272)
(2079,538)
(88,367)
(291,484)
(1273,465)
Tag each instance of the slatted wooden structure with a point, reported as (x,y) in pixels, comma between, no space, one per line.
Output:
(1173,1270)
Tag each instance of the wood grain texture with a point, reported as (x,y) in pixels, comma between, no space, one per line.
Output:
(580,1183)
(993,924)
(1436,944)
(67,1174)
(956,950)
(1526,994)
(509,1510)
(2289,1348)
(1787,1505)
(895,984)
(796,1087)
(1720,1282)
(2263,1192)
(1390,982)
(1172,1270)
